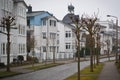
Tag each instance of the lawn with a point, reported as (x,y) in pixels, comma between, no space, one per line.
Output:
(86,74)
(118,66)
(6,74)
(44,66)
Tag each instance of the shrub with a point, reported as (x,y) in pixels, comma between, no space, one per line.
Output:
(2,65)
(20,58)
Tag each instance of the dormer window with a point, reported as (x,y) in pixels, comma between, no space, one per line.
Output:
(44,22)
(52,23)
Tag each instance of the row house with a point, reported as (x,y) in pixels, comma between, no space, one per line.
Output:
(43,27)
(55,37)
(106,36)
(18,9)
(66,41)
(52,36)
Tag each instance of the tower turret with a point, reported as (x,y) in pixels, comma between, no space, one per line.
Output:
(71,8)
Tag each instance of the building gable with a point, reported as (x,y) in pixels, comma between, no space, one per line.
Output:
(37,19)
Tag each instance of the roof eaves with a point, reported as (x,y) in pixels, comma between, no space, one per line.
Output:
(16,1)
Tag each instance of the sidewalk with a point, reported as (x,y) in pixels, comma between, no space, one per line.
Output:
(22,69)
(109,72)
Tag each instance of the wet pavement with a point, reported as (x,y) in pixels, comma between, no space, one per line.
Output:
(55,73)
(109,72)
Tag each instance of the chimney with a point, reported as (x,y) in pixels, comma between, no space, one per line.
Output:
(29,9)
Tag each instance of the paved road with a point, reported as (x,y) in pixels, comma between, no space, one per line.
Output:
(54,73)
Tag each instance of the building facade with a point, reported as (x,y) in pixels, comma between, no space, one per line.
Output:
(106,36)
(44,28)
(18,9)
(66,41)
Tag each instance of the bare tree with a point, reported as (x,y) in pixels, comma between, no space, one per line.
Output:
(53,49)
(7,22)
(98,48)
(108,49)
(78,26)
(89,26)
(33,49)
(31,42)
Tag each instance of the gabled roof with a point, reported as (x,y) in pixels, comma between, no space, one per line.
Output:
(71,26)
(67,19)
(47,17)
(35,13)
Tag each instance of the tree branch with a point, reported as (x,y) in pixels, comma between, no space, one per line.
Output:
(3,32)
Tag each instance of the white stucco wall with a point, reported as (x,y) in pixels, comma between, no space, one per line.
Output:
(15,37)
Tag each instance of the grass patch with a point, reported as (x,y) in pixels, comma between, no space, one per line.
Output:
(118,66)
(44,66)
(97,70)
(7,74)
(86,74)
(82,78)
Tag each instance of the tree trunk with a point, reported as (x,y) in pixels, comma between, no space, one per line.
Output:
(78,52)
(91,54)
(97,53)
(97,56)
(8,50)
(54,54)
(91,60)
(94,56)
(108,55)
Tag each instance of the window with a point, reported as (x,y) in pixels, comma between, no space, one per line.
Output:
(1,49)
(52,23)
(21,29)
(44,22)
(23,48)
(19,48)
(51,48)
(57,49)
(68,34)
(44,49)
(7,5)
(52,35)
(67,45)
(4,48)
(44,35)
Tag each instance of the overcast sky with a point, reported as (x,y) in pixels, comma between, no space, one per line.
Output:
(59,8)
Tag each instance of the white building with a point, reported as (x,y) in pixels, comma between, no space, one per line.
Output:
(44,27)
(50,33)
(106,36)
(15,8)
(66,41)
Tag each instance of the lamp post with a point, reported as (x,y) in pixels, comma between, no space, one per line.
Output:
(116,55)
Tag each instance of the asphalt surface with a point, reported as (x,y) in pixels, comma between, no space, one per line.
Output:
(55,73)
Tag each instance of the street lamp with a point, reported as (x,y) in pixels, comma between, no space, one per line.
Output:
(116,36)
